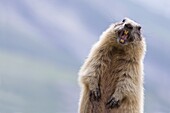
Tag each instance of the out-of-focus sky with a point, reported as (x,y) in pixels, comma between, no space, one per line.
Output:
(43,43)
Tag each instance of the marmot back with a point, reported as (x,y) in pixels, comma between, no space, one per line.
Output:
(112,75)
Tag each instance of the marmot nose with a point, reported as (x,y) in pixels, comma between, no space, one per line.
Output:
(128,26)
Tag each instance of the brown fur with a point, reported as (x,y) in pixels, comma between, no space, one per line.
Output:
(117,70)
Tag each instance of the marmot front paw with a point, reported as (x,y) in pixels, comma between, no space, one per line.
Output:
(113,103)
(95,94)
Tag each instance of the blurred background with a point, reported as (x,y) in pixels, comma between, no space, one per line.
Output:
(43,43)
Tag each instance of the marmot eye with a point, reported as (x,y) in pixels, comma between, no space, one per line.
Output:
(123,20)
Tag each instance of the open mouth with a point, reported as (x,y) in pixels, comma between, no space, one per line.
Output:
(123,36)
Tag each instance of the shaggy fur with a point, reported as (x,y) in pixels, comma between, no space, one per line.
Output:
(112,75)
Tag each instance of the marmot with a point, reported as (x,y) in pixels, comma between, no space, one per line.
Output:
(112,75)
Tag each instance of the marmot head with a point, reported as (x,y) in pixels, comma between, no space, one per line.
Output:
(124,35)
(127,31)
(124,32)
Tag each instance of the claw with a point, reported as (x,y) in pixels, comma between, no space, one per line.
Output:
(113,103)
(95,95)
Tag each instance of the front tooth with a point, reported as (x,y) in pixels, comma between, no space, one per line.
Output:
(122,41)
(126,32)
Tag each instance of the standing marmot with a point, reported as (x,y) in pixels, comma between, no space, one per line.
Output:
(112,75)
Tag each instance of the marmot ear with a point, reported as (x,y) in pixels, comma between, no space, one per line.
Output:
(139,28)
